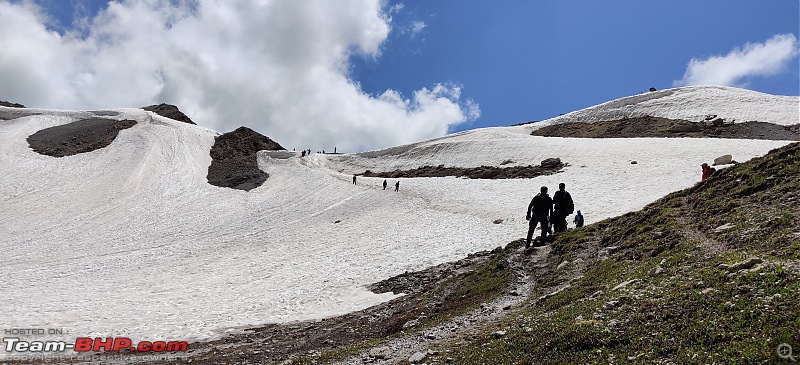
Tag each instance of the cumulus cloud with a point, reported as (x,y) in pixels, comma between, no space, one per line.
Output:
(754,59)
(279,67)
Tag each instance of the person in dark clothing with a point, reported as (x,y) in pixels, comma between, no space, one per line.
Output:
(354,179)
(562,207)
(540,208)
(384,184)
(579,219)
(397,186)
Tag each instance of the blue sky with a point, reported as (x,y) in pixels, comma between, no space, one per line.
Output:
(532,60)
(365,74)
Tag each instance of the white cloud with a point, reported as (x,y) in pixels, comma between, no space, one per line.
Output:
(759,59)
(417,27)
(279,67)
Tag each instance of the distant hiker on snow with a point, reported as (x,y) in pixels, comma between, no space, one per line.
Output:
(384,184)
(397,185)
(539,209)
(578,219)
(707,171)
(563,206)
(354,179)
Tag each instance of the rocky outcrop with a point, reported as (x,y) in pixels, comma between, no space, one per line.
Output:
(10,104)
(169,111)
(233,159)
(647,126)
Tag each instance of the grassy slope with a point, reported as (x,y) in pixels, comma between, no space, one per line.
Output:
(691,312)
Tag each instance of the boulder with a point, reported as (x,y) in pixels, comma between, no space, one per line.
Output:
(551,162)
(417,357)
(723,160)
(684,127)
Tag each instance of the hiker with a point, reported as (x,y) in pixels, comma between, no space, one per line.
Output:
(303,153)
(334,150)
(562,207)
(354,179)
(397,185)
(539,209)
(384,184)
(707,171)
(578,219)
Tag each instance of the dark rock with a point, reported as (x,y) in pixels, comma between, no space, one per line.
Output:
(497,221)
(233,159)
(634,162)
(169,111)
(10,104)
(652,89)
(648,126)
(684,127)
(551,162)
(85,135)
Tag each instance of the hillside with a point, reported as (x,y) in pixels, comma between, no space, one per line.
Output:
(707,274)
(288,241)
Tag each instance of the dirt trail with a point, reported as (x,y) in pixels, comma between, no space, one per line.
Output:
(399,350)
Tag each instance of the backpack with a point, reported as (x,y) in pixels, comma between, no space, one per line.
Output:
(570,204)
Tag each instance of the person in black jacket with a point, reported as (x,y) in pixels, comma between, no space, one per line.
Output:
(540,208)
(562,207)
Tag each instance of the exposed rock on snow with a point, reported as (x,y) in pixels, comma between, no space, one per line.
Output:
(10,104)
(551,162)
(77,137)
(234,162)
(170,111)
(649,126)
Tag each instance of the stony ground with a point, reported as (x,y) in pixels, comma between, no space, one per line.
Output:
(548,167)
(648,126)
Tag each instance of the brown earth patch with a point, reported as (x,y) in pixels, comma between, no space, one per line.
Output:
(648,126)
(77,137)
(233,159)
(482,172)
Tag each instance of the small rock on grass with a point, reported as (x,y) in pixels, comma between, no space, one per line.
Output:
(744,265)
(417,357)
(655,271)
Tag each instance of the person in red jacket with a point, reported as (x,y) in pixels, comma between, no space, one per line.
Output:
(707,171)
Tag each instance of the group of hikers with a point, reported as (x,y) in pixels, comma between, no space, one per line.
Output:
(385,184)
(550,213)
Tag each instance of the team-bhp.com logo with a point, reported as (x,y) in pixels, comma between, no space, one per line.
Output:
(16,344)
(97,344)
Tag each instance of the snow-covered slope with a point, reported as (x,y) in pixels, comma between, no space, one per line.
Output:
(131,239)
(692,103)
